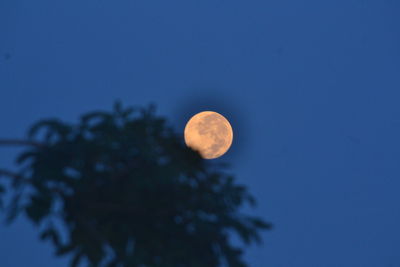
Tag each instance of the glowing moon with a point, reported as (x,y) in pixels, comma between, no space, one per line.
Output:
(209,133)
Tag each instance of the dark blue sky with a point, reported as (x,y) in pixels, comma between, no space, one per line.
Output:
(312,89)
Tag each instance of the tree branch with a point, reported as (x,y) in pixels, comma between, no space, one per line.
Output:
(104,206)
(16,142)
(10,174)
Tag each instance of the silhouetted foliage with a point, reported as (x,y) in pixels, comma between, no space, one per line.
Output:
(128,192)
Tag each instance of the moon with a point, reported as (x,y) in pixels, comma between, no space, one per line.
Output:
(209,133)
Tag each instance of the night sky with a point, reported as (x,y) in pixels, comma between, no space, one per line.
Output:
(312,89)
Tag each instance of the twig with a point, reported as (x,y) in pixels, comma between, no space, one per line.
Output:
(16,142)
(10,174)
(104,206)
(14,176)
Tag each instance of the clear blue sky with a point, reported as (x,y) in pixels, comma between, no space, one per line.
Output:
(312,88)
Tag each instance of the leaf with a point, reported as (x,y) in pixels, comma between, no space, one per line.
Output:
(25,156)
(62,250)
(2,191)
(76,259)
(113,263)
(51,234)
(38,208)
(118,107)
(52,125)
(251,200)
(127,112)
(244,232)
(259,223)
(87,118)
(14,208)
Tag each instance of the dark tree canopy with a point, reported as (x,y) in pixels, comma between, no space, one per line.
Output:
(128,192)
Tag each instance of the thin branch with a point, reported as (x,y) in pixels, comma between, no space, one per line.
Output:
(104,206)
(16,176)
(13,175)
(16,142)
(10,174)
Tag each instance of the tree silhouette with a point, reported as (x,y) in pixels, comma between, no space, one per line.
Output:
(121,189)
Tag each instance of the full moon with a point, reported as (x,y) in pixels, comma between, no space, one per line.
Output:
(209,133)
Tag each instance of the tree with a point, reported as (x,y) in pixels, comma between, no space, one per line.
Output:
(128,192)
